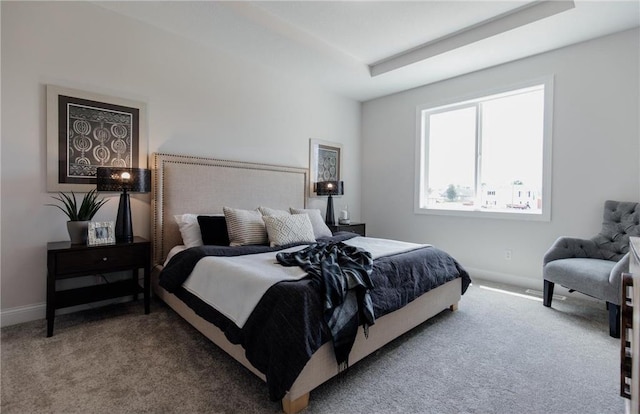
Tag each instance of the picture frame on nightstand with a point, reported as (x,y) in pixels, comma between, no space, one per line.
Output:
(101,232)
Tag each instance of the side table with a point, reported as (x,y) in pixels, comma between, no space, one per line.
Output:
(66,260)
(358,228)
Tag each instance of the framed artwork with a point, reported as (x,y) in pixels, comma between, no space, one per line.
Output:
(101,232)
(86,131)
(325,162)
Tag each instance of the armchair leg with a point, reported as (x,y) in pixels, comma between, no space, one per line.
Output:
(548,293)
(614,320)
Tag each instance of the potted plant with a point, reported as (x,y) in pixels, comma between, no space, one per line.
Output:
(79,214)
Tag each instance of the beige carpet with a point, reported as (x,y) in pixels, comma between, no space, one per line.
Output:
(498,354)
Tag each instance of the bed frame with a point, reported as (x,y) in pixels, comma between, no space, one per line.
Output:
(185,184)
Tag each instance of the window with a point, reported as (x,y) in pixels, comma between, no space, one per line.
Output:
(487,156)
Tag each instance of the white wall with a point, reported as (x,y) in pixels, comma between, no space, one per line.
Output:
(595,157)
(199,101)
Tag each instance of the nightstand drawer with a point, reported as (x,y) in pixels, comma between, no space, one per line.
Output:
(101,259)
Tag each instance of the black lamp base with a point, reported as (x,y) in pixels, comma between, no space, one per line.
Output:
(330,218)
(124,229)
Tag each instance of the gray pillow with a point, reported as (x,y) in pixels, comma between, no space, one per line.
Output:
(320,228)
(266,211)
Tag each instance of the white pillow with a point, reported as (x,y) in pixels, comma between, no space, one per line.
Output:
(189,229)
(245,227)
(292,228)
(320,228)
(266,211)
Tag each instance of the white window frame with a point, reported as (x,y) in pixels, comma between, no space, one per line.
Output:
(421,159)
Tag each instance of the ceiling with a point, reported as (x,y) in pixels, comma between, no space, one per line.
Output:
(333,44)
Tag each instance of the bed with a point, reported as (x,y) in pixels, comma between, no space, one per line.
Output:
(195,185)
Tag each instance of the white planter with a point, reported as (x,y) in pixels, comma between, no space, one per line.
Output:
(78,231)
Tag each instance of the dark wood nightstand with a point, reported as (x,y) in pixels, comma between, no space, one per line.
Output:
(358,228)
(66,260)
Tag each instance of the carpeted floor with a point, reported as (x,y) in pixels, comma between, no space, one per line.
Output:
(499,353)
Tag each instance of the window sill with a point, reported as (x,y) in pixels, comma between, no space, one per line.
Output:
(521,215)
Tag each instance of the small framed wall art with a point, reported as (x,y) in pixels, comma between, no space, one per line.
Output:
(325,162)
(86,131)
(101,232)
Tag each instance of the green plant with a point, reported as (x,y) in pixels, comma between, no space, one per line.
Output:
(87,209)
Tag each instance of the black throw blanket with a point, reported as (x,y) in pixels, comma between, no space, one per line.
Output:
(343,272)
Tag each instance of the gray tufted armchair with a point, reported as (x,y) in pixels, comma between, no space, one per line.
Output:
(594,266)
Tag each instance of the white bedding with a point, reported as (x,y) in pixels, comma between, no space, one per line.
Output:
(234,285)
(383,247)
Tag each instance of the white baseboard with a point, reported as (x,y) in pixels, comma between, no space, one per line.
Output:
(522,282)
(506,278)
(28,313)
(22,314)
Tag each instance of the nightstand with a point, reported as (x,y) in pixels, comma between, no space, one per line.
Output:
(66,261)
(358,228)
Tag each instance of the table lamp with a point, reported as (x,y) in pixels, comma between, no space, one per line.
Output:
(329,188)
(127,180)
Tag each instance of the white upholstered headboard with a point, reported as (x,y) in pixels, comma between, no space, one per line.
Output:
(184,184)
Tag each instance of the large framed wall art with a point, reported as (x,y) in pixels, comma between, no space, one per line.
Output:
(86,131)
(325,162)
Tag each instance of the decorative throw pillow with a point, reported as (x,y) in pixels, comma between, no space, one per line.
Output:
(245,227)
(189,229)
(320,228)
(214,230)
(266,211)
(292,228)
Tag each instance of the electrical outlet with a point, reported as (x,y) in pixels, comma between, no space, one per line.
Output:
(507,254)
